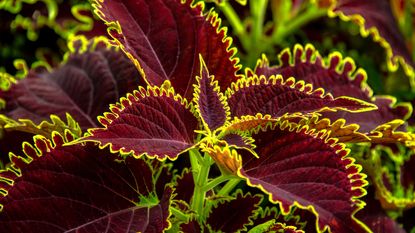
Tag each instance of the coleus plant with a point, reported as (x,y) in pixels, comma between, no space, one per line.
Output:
(190,143)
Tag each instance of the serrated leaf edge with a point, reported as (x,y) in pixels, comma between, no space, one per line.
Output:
(340,147)
(211,17)
(216,88)
(116,109)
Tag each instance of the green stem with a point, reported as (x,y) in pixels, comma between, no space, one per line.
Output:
(215,182)
(226,189)
(297,22)
(194,162)
(235,22)
(229,186)
(179,214)
(199,192)
(258,8)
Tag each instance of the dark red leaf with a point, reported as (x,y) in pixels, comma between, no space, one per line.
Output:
(191,227)
(301,167)
(184,186)
(14,133)
(338,77)
(376,218)
(152,32)
(155,122)
(276,97)
(375,18)
(238,141)
(264,215)
(210,102)
(229,216)
(79,189)
(84,86)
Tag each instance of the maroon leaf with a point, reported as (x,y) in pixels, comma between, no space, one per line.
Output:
(84,86)
(184,186)
(375,18)
(191,227)
(224,218)
(302,167)
(276,97)
(376,218)
(268,214)
(338,77)
(238,141)
(151,32)
(155,122)
(14,133)
(79,189)
(210,102)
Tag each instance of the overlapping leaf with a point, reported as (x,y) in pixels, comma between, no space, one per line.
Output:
(92,77)
(79,189)
(163,48)
(301,167)
(156,122)
(375,18)
(376,218)
(210,102)
(14,133)
(338,77)
(224,218)
(266,218)
(275,96)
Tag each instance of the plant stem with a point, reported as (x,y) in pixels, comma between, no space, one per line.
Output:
(235,22)
(229,186)
(258,9)
(297,22)
(199,191)
(179,214)
(194,154)
(215,182)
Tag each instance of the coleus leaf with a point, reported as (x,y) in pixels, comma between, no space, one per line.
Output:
(273,226)
(224,218)
(184,186)
(162,48)
(275,96)
(36,15)
(270,216)
(395,190)
(153,121)
(210,103)
(376,218)
(375,18)
(303,167)
(94,75)
(101,193)
(14,133)
(45,128)
(338,77)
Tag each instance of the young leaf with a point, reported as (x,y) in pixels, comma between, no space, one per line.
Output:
(276,97)
(93,77)
(224,217)
(338,77)
(375,18)
(210,102)
(163,48)
(155,122)
(302,167)
(79,189)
